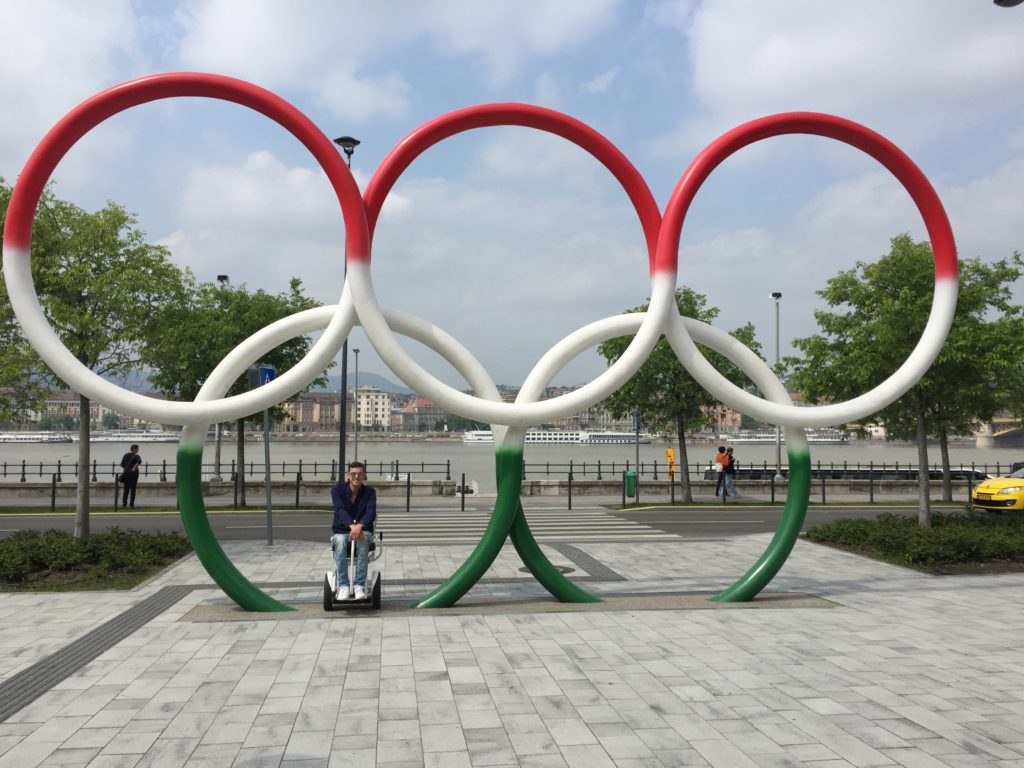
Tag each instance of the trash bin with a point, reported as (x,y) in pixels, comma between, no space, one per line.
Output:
(630,483)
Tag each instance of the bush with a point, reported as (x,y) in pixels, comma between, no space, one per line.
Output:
(27,556)
(953,538)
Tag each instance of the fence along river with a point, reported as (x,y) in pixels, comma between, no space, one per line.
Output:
(476,461)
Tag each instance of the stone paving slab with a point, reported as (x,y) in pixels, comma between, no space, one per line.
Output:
(905,670)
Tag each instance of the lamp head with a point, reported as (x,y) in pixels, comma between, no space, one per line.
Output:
(775,294)
(347,143)
(223,279)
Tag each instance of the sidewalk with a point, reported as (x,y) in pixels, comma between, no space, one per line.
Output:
(844,662)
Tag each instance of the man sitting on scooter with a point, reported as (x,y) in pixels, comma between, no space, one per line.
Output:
(355,508)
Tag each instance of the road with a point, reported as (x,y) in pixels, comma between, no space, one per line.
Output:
(447,524)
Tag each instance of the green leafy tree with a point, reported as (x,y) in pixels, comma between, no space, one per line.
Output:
(881,311)
(100,285)
(668,398)
(203,324)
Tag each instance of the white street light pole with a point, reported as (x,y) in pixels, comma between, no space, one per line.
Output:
(778,430)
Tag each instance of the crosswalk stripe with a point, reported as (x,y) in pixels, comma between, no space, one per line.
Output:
(458,527)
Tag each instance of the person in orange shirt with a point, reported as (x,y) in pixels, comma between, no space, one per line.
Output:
(719,463)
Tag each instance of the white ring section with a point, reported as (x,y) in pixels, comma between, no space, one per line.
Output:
(623,325)
(310,320)
(22,295)
(914,367)
(662,306)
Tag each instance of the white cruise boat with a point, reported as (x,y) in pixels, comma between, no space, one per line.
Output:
(35,437)
(561,437)
(134,436)
(767,436)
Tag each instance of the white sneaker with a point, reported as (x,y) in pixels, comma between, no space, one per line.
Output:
(342,593)
(360,593)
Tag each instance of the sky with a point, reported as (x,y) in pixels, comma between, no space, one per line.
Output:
(507,238)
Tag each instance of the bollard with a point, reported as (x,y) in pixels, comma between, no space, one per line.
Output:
(334,471)
(655,469)
(53,493)
(871,482)
(22,471)
(598,469)
(822,489)
(59,478)
(163,471)
(623,489)
(462,503)
(116,494)
(570,489)
(773,488)
(408,489)
(234,487)
(298,485)
(448,470)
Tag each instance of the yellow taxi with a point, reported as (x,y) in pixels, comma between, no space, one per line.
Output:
(1000,493)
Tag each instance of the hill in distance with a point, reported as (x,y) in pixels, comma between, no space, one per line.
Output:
(137,382)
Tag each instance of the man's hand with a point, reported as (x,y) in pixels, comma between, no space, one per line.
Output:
(355,532)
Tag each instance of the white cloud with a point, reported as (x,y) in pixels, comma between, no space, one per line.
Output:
(352,57)
(912,67)
(55,55)
(600,83)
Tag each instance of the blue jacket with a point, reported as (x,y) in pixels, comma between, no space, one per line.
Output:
(347,512)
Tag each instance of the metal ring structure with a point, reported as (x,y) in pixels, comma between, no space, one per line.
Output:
(939,231)
(358,305)
(59,140)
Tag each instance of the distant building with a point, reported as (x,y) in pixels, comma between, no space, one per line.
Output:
(419,415)
(373,409)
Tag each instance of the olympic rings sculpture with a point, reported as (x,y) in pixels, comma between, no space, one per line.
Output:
(358,305)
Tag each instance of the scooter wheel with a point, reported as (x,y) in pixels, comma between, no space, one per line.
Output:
(328,595)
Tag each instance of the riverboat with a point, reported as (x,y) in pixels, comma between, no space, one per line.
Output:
(134,436)
(34,437)
(767,437)
(561,437)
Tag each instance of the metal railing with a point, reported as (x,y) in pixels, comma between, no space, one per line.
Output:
(164,471)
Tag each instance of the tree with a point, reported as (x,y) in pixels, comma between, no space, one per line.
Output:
(203,324)
(669,399)
(882,310)
(100,285)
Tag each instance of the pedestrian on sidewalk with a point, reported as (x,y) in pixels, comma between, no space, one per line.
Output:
(718,465)
(130,463)
(729,471)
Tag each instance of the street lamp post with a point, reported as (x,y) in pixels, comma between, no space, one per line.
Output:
(224,281)
(778,430)
(355,445)
(348,145)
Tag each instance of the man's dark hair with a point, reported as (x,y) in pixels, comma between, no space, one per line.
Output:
(135,447)
(356,465)
(721,448)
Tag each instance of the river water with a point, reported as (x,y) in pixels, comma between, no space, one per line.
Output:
(477,461)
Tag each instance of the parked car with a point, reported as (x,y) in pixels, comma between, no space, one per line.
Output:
(1000,493)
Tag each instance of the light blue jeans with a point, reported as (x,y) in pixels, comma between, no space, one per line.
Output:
(340,544)
(730,485)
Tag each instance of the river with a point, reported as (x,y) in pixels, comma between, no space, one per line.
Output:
(477,461)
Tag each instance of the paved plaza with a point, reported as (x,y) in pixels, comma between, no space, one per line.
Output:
(844,662)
